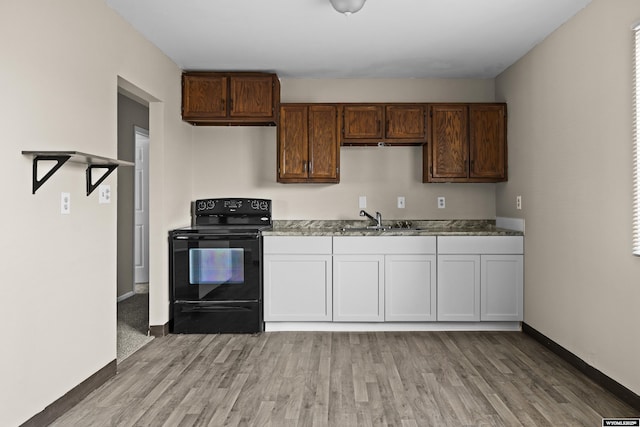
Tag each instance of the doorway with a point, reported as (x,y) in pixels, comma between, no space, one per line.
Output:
(133,227)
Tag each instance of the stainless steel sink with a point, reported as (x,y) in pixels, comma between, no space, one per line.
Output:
(371,228)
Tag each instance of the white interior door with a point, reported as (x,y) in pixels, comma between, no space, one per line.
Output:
(141,207)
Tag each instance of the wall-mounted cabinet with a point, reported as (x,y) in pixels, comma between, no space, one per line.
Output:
(239,98)
(392,124)
(467,143)
(308,147)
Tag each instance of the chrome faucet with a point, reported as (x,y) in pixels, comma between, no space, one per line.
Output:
(377,219)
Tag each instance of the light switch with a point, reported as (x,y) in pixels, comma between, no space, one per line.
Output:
(362,202)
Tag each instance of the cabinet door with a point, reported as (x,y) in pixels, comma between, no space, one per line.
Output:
(204,97)
(362,122)
(358,288)
(251,96)
(405,122)
(449,141)
(293,144)
(324,147)
(459,288)
(487,142)
(410,288)
(502,288)
(297,288)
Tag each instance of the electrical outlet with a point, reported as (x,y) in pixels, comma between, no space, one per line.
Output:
(441,202)
(518,202)
(400,202)
(65,203)
(104,193)
(362,202)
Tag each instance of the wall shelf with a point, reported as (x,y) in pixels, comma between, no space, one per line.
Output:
(61,157)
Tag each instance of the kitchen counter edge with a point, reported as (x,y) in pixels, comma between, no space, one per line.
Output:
(424,228)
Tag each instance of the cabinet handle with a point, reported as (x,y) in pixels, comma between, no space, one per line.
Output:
(304,166)
(231,103)
(223,103)
(310,166)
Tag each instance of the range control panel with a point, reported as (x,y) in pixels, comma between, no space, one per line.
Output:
(232,207)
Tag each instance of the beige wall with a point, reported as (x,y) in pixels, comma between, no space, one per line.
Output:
(570,159)
(59,76)
(241,161)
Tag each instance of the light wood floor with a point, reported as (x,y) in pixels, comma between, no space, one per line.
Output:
(347,379)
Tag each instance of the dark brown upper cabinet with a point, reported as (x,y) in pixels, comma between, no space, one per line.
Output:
(467,143)
(362,123)
(405,122)
(242,98)
(308,147)
(393,124)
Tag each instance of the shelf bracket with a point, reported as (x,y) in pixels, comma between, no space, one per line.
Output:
(37,183)
(90,186)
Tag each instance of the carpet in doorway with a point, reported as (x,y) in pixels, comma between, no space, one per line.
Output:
(133,325)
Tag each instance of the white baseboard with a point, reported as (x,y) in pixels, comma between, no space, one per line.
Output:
(391,326)
(125,296)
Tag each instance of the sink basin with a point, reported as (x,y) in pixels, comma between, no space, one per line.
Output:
(372,228)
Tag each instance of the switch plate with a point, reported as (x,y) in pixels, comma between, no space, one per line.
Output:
(362,202)
(441,202)
(104,193)
(65,203)
(518,202)
(400,202)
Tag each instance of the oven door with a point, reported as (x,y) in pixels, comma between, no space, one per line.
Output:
(213,267)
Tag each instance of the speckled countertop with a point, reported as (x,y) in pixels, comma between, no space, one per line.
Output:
(396,228)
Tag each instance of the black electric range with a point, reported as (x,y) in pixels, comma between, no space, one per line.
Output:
(216,267)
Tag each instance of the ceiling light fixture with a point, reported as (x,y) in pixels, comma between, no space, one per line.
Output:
(347,6)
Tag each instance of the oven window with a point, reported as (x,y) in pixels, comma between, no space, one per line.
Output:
(216,266)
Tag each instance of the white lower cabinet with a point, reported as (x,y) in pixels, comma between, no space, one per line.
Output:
(459,288)
(358,288)
(410,288)
(480,278)
(502,287)
(393,278)
(297,278)
(384,278)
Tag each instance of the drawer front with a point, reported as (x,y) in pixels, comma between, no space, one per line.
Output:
(387,245)
(297,245)
(480,245)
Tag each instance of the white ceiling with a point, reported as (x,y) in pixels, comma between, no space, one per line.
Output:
(386,39)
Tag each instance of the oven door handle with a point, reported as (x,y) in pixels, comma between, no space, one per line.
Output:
(214,308)
(248,236)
